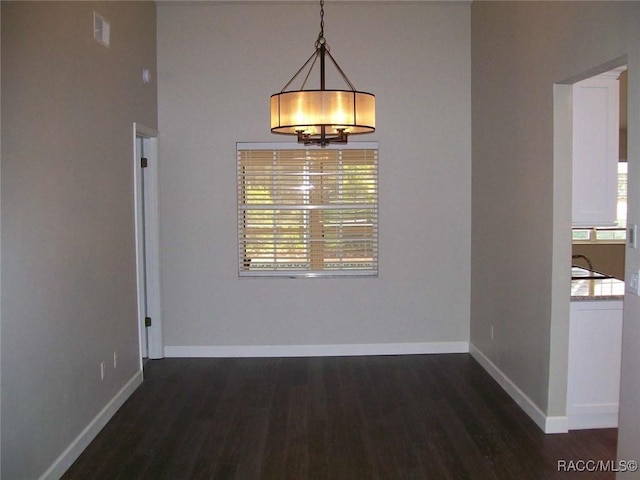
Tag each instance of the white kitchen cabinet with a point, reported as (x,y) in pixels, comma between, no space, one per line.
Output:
(596,120)
(595,348)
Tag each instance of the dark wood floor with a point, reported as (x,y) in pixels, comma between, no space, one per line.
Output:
(354,418)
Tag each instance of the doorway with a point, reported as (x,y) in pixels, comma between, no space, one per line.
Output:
(145,169)
(563,240)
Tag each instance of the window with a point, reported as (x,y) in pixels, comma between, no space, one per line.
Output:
(307,211)
(616,234)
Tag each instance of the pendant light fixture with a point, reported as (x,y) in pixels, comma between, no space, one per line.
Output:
(322,116)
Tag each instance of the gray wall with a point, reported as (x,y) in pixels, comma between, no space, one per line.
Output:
(68,257)
(521,196)
(218,64)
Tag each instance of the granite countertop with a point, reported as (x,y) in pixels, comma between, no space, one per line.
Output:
(597,289)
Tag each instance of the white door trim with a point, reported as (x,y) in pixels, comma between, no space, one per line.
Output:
(150,251)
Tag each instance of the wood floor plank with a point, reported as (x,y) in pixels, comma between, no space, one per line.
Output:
(353,418)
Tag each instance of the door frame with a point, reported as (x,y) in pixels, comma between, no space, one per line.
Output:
(147,253)
(557,418)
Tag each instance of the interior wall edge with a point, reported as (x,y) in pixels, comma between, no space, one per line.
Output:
(548,424)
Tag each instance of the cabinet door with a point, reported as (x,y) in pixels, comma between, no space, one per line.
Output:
(595,352)
(595,151)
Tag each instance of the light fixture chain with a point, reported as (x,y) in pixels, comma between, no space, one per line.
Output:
(322,17)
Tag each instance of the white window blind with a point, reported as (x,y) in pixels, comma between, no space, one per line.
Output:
(307,211)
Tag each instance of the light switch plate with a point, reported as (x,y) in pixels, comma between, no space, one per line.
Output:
(632,236)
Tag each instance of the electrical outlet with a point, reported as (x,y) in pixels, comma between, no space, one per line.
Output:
(115,359)
(102,365)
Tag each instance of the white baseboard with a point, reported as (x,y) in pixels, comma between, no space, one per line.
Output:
(582,417)
(344,350)
(558,424)
(73,451)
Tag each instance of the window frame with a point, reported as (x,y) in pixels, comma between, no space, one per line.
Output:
(342,268)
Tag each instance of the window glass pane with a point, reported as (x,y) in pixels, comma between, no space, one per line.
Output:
(581,234)
(611,234)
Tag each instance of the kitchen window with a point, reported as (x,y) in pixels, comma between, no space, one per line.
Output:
(307,211)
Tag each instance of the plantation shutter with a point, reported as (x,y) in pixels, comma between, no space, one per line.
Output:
(307,211)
